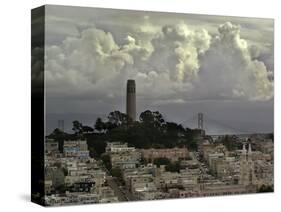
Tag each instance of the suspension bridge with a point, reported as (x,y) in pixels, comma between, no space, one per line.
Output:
(215,127)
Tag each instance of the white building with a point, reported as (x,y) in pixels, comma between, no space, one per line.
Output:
(247,167)
(117,147)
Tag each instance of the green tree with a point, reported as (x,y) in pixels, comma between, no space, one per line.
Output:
(229,143)
(106,161)
(117,134)
(192,145)
(77,127)
(58,136)
(99,125)
(116,172)
(161,161)
(87,129)
(108,126)
(173,167)
(117,118)
(152,118)
(96,144)
(56,133)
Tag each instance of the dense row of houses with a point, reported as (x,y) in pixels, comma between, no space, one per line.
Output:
(226,172)
(72,176)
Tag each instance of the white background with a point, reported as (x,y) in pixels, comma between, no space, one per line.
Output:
(15,104)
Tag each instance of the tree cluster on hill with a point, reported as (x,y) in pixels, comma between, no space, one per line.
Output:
(150,131)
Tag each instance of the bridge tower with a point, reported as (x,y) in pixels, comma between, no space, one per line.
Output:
(200,121)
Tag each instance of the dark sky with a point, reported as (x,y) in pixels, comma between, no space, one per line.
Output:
(183,64)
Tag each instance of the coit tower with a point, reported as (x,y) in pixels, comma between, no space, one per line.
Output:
(131,99)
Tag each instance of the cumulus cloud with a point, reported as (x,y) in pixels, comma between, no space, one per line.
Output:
(178,49)
(85,63)
(170,63)
(229,70)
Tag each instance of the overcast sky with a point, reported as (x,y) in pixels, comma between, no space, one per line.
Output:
(182,63)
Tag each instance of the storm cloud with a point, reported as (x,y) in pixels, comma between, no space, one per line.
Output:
(173,62)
